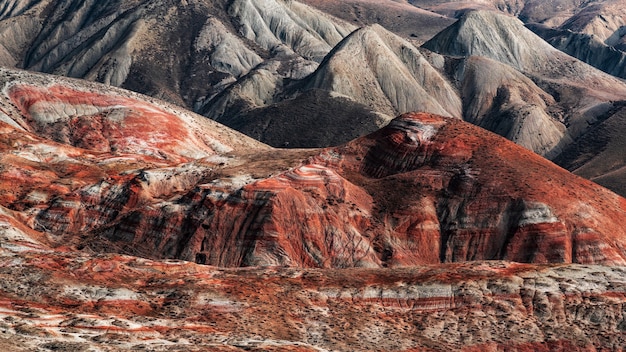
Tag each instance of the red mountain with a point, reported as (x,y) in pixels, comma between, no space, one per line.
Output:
(92,174)
(116,174)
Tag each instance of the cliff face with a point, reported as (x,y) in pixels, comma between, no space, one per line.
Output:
(114,173)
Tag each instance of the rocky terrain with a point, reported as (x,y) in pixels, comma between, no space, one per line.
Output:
(129,222)
(95,220)
(252,65)
(120,303)
(102,171)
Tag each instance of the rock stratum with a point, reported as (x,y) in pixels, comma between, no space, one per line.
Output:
(128,223)
(120,303)
(429,234)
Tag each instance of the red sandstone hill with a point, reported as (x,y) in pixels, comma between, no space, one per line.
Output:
(112,173)
(89,173)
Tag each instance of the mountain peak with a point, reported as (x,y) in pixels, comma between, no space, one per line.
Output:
(498,36)
(387,72)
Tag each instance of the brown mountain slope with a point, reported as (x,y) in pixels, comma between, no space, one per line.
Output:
(200,197)
(149,179)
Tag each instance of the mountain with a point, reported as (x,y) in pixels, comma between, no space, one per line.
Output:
(594,35)
(501,99)
(579,15)
(375,66)
(592,31)
(562,97)
(604,20)
(176,50)
(130,223)
(290,75)
(585,47)
(91,229)
(112,172)
(372,75)
(111,202)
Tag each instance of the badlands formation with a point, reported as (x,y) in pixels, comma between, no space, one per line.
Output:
(129,222)
(320,73)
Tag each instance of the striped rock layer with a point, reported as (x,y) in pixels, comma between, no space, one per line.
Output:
(116,173)
(103,192)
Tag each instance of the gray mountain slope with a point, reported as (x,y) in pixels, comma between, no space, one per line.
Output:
(381,70)
(496,36)
(605,20)
(599,153)
(270,23)
(177,50)
(370,76)
(580,91)
(401,18)
(501,99)
(585,47)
